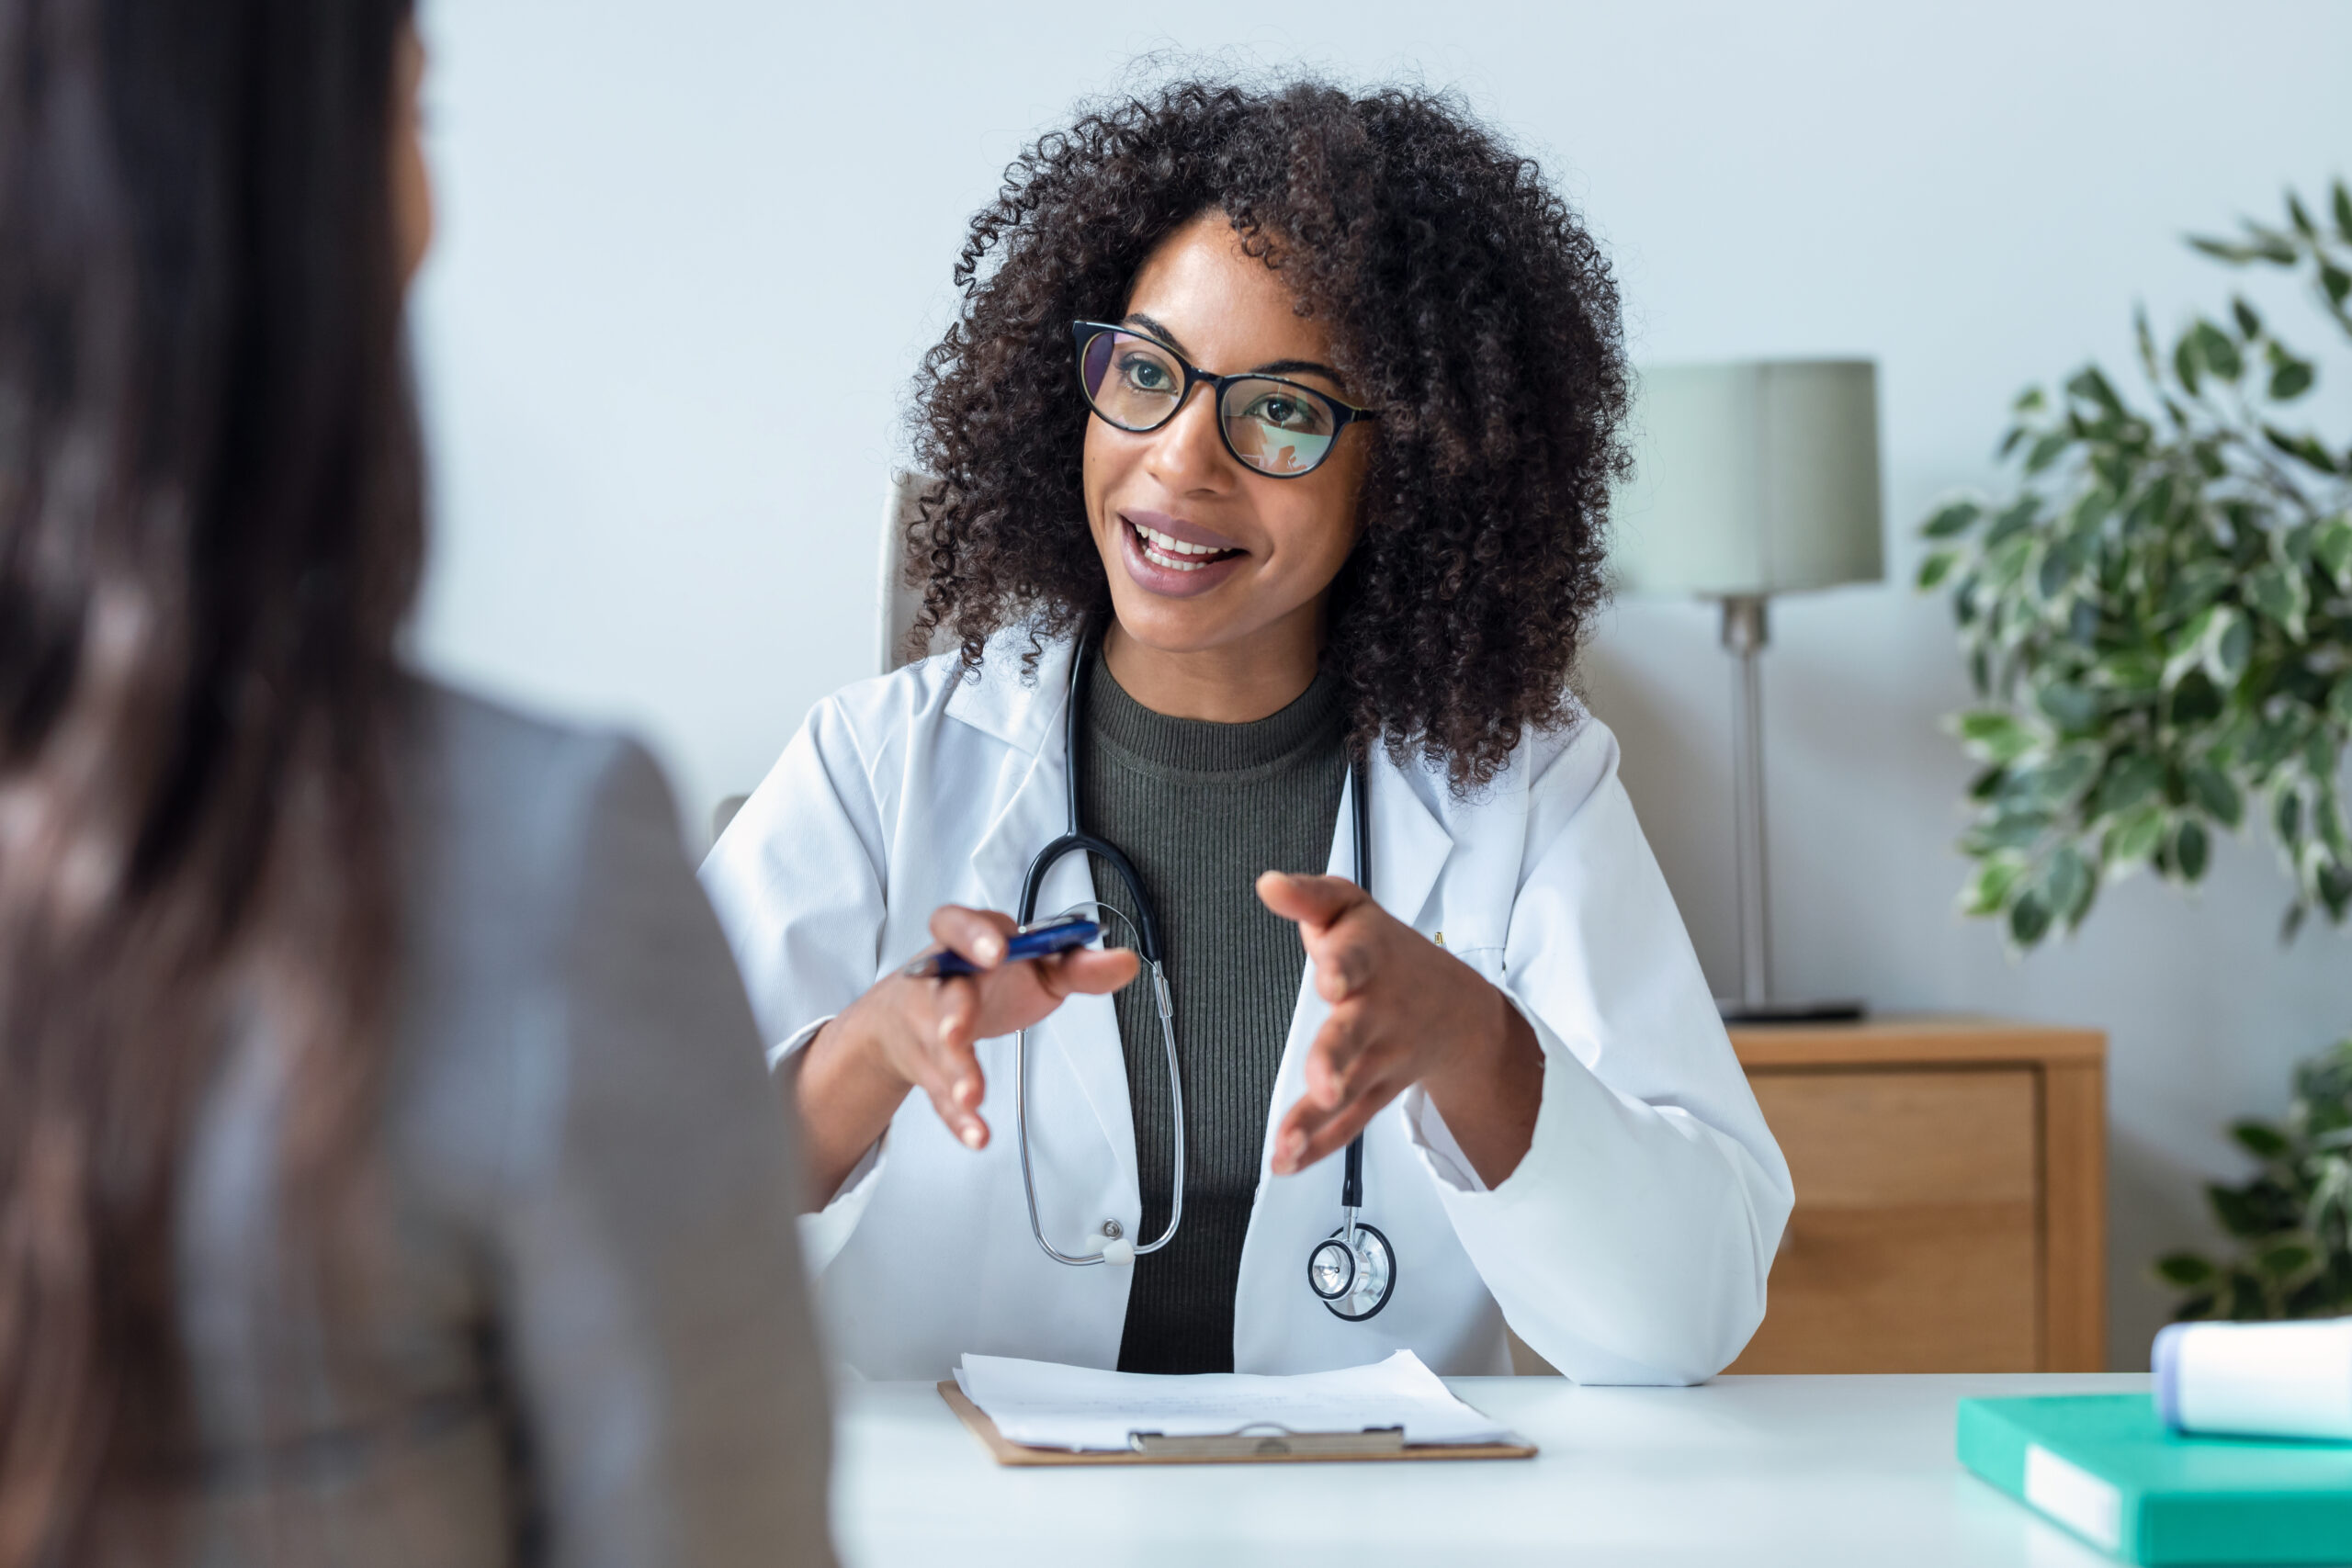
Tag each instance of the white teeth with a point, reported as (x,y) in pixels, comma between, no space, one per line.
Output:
(1166,549)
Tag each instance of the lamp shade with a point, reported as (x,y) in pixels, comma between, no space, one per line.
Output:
(1751,479)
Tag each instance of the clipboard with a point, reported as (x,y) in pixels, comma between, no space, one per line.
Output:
(1252,1445)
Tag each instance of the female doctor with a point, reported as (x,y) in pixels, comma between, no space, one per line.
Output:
(1275,435)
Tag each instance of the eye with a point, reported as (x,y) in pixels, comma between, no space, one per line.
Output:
(1145,374)
(1285,411)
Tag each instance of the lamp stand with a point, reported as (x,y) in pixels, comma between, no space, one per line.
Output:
(1746,631)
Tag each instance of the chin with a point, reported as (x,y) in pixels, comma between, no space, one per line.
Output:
(1167,625)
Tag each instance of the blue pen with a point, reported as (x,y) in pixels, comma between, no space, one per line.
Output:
(1040,941)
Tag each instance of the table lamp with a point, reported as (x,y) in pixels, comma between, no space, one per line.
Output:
(1751,480)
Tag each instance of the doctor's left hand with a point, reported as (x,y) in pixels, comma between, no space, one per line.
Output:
(1404,1012)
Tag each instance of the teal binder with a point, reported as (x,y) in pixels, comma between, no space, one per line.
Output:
(2105,1468)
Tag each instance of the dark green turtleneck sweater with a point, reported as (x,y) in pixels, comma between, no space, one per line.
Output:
(1201,808)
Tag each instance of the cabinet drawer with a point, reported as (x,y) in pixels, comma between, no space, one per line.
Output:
(1916,1242)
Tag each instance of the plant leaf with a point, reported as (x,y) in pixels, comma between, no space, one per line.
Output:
(2067,885)
(2260,1139)
(1936,568)
(2028,919)
(2190,849)
(2228,645)
(2217,351)
(2331,548)
(2212,789)
(2285,1260)
(2236,1211)
(1988,887)
(2013,520)
(2272,246)
(2132,777)
(2290,379)
(2334,282)
(2047,450)
(2069,707)
(2342,204)
(1992,735)
(1956,517)
(2128,671)
(2090,384)
(2281,594)
(2135,836)
(2249,324)
(2185,1270)
(2223,250)
(2306,448)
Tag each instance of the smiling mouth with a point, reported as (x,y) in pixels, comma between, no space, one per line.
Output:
(1167,550)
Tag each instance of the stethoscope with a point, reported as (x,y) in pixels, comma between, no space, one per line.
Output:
(1353,1270)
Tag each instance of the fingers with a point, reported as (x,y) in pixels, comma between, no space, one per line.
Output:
(950,1073)
(1089,971)
(1338,922)
(1308,1134)
(977,934)
(942,1021)
(1349,1080)
(1312,901)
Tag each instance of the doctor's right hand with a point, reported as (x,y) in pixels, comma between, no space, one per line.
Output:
(907,1033)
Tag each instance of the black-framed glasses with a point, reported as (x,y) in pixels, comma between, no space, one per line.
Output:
(1276,426)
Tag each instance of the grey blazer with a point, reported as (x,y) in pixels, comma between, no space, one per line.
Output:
(584,1338)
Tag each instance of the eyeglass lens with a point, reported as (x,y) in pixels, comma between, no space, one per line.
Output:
(1272,427)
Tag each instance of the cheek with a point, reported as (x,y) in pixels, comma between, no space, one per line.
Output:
(1103,465)
(1316,524)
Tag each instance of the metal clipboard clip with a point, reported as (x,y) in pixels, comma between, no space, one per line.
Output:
(1270,1439)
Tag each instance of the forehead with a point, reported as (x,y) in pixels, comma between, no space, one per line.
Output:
(1228,310)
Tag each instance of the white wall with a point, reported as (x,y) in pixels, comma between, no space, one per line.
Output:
(690,251)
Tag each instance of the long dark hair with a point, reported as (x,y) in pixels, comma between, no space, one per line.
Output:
(209,535)
(1470,306)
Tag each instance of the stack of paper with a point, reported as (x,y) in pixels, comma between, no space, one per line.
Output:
(1046,1406)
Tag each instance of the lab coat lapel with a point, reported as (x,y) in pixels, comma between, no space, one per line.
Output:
(1409,845)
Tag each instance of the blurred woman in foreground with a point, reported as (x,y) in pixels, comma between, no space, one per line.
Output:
(388,1173)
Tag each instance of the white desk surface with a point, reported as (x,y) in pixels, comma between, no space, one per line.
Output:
(1800,1471)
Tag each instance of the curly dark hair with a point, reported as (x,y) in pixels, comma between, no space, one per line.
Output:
(1467,304)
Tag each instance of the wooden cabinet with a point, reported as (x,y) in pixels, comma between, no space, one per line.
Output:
(1951,1207)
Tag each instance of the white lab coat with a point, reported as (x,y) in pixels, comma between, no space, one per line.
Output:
(1630,1245)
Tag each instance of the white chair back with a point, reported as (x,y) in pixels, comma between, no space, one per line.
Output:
(899,601)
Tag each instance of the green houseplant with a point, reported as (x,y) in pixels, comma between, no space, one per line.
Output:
(2158,626)
(2290,1220)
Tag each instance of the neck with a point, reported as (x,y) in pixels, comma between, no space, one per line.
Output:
(1235,683)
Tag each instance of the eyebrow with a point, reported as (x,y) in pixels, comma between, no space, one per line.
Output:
(1275,367)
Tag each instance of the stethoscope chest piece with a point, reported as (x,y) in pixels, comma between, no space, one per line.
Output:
(1353,1282)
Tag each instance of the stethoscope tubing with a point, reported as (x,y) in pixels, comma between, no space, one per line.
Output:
(1145,930)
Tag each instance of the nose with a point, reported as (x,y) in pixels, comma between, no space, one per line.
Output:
(1188,453)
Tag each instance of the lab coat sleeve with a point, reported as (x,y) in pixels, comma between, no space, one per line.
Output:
(798,884)
(1632,1242)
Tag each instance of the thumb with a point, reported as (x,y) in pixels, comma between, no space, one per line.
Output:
(1310,900)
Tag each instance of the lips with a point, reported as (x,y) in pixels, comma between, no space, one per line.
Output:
(1166,549)
(1179,531)
(1174,559)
